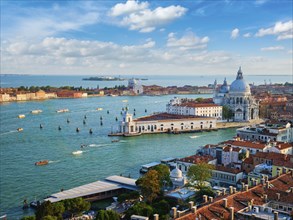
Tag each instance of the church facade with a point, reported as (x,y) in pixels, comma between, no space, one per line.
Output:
(238,98)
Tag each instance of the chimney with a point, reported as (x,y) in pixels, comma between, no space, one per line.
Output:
(211,199)
(242,186)
(266,178)
(156,217)
(231,213)
(225,203)
(291,189)
(224,190)
(251,202)
(276,215)
(231,190)
(174,212)
(193,209)
(267,184)
(234,190)
(278,196)
(205,198)
(246,188)
(190,204)
(262,181)
(278,172)
(265,197)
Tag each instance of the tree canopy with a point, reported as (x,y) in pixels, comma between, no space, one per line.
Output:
(164,175)
(199,173)
(149,185)
(76,206)
(142,209)
(227,113)
(107,215)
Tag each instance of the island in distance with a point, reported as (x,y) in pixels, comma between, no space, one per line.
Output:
(109,78)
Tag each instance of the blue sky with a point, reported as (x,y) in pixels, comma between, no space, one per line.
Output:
(146,37)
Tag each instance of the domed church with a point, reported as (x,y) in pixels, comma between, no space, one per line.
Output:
(238,98)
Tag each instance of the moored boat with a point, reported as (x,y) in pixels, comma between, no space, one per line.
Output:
(42,162)
(62,110)
(37,111)
(19,129)
(78,152)
(21,116)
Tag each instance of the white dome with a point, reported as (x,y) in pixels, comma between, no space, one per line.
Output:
(239,85)
(176,173)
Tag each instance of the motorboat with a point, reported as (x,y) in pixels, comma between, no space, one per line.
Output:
(116,140)
(99,109)
(21,116)
(78,152)
(19,129)
(125,100)
(42,162)
(37,111)
(62,110)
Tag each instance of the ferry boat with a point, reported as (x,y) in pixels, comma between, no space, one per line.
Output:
(62,110)
(36,111)
(78,152)
(19,129)
(21,116)
(42,162)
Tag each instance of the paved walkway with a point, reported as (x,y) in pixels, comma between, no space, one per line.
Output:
(221,125)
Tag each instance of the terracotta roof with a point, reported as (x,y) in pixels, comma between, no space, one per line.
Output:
(195,159)
(248,160)
(228,169)
(239,200)
(272,156)
(249,144)
(168,117)
(196,105)
(282,146)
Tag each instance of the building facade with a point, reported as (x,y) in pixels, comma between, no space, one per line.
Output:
(238,98)
(135,86)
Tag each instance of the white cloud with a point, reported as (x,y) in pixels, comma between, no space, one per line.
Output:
(290,51)
(275,48)
(283,30)
(138,16)
(129,7)
(260,2)
(247,35)
(188,41)
(235,33)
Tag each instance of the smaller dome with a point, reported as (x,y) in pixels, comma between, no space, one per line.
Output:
(176,173)
(224,88)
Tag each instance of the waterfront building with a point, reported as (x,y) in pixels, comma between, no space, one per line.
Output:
(270,131)
(164,123)
(191,107)
(238,98)
(4,97)
(135,86)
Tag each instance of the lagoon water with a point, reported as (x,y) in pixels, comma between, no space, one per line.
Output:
(20,179)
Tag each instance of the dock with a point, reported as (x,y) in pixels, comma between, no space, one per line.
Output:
(98,190)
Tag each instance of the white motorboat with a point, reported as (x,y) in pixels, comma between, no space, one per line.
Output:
(78,152)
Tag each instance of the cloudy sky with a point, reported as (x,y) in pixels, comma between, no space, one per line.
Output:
(146,37)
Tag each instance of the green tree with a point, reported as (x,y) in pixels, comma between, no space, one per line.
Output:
(49,217)
(200,173)
(162,207)
(76,206)
(142,209)
(203,191)
(49,209)
(227,113)
(199,99)
(107,215)
(149,185)
(164,175)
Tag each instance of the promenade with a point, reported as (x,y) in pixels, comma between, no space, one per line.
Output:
(222,125)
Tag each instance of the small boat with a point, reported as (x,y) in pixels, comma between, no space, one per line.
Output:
(116,140)
(62,110)
(91,131)
(42,162)
(3,217)
(21,116)
(19,129)
(78,152)
(125,100)
(99,109)
(36,111)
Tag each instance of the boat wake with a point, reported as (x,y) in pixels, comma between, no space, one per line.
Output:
(98,145)
(54,161)
(122,141)
(193,136)
(8,132)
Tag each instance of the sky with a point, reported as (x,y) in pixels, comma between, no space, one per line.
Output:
(103,37)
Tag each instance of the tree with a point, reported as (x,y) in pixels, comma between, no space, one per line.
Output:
(203,191)
(76,206)
(199,173)
(199,99)
(164,175)
(149,185)
(162,207)
(49,209)
(142,209)
(107,215)
(227,113)
(49,217)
